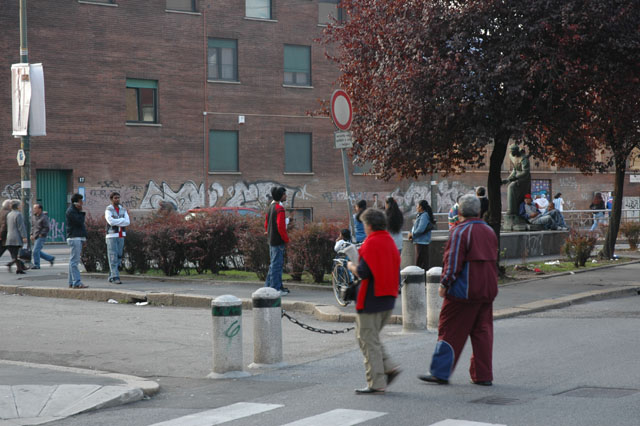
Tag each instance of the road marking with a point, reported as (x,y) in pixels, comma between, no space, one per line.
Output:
(220,415)
(338,417)
(452,422)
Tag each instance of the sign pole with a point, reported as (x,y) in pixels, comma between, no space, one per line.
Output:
(25,145)
(342,116)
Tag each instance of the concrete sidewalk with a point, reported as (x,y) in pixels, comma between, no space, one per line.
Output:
(36,394)
(33,394)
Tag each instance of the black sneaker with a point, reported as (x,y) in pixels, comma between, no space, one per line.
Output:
(52,261)
(284,290)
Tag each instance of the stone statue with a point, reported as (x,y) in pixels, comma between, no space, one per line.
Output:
(519,180)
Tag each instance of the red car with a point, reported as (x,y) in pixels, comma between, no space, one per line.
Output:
(240,211)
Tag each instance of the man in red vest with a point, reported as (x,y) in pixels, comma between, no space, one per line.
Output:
(379,270)
(275,225)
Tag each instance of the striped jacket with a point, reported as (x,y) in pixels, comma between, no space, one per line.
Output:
(469,269)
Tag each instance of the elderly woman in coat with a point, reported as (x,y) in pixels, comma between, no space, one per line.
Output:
(16,236)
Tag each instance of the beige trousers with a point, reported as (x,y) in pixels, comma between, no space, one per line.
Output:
(377,361)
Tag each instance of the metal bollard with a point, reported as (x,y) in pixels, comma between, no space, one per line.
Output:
(434,301)
(267,328)
(414,307)
(226,312)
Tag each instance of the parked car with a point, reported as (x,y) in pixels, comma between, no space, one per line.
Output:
(240,211)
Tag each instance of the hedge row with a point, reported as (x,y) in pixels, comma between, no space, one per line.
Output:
(211,243)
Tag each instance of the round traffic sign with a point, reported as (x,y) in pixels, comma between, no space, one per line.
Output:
(341,111)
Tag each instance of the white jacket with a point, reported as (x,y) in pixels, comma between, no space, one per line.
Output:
(116,220)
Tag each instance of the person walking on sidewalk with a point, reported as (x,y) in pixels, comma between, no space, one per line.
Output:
(39,234)
(16,236)
(117,220)
(4,211)
(379,270)
(275,225)
(76,237)
(469,284)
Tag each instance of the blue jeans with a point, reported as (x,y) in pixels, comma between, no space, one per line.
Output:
(37,252)
(597,219)
(274,277)
(74,272)
(114,253)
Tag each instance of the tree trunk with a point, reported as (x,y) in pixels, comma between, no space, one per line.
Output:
(616,212)
(494,181)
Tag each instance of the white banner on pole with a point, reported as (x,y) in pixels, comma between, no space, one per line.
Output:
(21,97)
(37,111)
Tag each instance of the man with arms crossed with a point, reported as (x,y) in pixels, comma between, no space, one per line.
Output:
(117,220)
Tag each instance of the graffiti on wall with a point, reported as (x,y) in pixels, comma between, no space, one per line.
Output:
(448,193)
(188,196)
(240,194)
(56,230)
(12,191)
(258,194)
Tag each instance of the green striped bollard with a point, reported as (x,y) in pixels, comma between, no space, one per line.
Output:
(267,328)
(226,312)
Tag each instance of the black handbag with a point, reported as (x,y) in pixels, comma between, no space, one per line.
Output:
(25,254)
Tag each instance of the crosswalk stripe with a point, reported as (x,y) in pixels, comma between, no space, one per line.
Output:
(338,417)
(452,422)
(220,415)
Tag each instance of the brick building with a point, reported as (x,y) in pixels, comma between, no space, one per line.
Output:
(202,103)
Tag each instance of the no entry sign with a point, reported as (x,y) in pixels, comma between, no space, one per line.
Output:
(341,111)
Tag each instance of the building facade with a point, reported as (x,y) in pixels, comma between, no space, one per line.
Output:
(200,103)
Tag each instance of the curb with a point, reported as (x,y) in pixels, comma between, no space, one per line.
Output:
(148,387)
(563,302)
(560,274)
(327,313)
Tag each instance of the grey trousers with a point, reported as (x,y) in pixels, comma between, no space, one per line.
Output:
(377,361)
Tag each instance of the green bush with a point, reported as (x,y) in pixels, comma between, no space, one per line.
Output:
(312,248)
(134,257)
(210,241)
(164,242)
(631,230)
(579,245)
(94,253)
(253,245)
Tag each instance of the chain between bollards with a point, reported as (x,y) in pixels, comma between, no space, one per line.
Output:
(314,329)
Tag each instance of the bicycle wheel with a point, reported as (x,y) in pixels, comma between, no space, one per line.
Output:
(340,282)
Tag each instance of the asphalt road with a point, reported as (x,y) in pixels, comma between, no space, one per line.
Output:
(575,366)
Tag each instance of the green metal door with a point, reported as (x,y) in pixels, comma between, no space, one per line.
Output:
(51,188)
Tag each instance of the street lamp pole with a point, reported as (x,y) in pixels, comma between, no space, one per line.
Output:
(25,170)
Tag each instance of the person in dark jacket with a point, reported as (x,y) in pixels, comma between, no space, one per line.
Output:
(275,225)
(76,237)
(4,211)
(39,234)
(16,236)
(378,268)
(421,234)
(469,284)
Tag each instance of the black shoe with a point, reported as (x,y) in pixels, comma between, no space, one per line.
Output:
(116,281)
(35,267)
(19,271)
(482,382)
(392,375)
(52,261)
(432,379)
(284,290)
(369,390)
